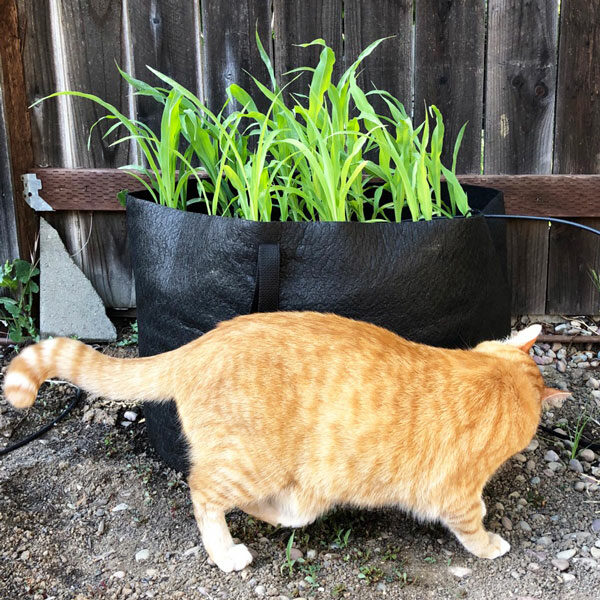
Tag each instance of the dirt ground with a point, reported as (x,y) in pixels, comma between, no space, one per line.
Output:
(89,511)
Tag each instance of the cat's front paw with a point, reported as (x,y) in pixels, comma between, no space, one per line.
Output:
(497,547)
(235,559)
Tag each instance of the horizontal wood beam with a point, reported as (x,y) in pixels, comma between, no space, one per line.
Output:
(571,196)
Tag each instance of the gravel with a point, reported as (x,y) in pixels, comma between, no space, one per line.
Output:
(89,511)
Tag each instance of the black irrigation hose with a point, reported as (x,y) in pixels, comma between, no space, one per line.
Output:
(550,219)
(45,428)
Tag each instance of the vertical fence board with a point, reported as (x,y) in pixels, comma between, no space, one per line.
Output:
(157,30)
(390,66)
(9,244)
(449,67)
(301,21)
(577,150)
(91,34)
(16,121)
(521,72)
(40,80)
(230,47)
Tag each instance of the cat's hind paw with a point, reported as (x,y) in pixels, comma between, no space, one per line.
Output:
(235,559)
(498,546)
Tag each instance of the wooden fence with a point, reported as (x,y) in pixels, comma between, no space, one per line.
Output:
(525,74)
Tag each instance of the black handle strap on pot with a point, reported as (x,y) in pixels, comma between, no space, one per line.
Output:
(266,292)
(40,432)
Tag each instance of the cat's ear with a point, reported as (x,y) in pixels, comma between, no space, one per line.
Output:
(525,338)
(555,398)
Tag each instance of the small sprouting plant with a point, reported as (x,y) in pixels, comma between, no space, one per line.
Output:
(130,339)
(289,561)
(595,278)
(338,590)
(582,421)
(16,312)
(370,573)
(311,571)
(342,537)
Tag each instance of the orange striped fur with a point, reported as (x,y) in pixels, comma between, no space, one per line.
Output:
(290,414)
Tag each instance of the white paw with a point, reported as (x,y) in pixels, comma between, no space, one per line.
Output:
(500,546)
(235,559)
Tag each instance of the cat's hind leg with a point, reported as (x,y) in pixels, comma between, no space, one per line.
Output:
(466,524)
(219,545)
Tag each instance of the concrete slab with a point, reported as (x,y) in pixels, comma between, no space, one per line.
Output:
(69,305)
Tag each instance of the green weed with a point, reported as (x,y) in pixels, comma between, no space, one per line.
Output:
(17,277)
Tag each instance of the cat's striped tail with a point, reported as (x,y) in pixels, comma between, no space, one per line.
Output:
(94,372)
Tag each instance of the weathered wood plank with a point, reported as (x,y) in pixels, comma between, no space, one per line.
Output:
(230,48)
(18,128)
(449,66)
(40,80)
(9,244)
(163,35)
(390,66)
(519,112)
(565,196)
(301,21)
(87,40)
(577,150)
(520,91)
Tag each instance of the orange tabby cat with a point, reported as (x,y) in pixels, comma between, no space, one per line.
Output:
(290,414)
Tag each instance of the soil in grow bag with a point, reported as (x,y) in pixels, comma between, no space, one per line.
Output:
(440,282)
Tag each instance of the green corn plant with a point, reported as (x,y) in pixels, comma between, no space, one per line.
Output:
(327,155)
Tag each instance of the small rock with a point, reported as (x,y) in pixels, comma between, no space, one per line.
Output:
(579,486)
(595,552)
(296,554)
(555,466)
(311,554)
(587,455)
(560,564)
(561,327)
(460,572)
(593,383)
(506,523)
(142,555)
(381,587)
(533,566)
(596,525)
(533,445)
(120,507)
(25,555)
(530,466)
(551,456)
(535,481)
(260,590)
(151,573)
(525,526)
(567,577)
(100,529)
(561,366)
(193,550)
(566,554)
(118,574)
(575,465)
(130,415)
(544,541)
(520,458)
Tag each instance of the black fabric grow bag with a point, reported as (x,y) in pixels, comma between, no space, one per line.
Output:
(441,282)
